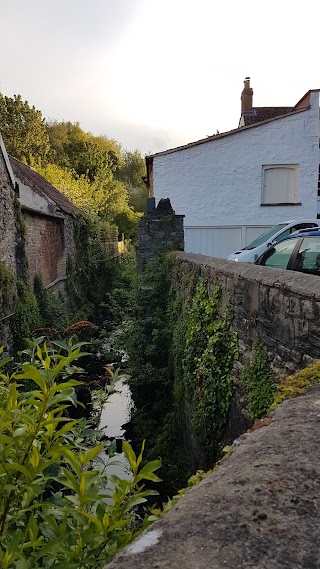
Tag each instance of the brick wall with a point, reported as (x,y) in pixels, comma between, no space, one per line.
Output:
(45,247)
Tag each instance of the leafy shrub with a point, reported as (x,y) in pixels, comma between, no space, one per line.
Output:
(294,385)
(59,506)
(259,382)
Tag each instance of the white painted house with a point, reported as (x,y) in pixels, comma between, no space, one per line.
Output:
(232,186)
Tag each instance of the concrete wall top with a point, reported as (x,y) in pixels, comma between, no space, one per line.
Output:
(297,283)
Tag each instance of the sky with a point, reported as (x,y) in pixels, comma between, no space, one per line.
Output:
(156,74)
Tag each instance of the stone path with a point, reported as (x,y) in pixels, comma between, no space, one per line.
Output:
(259,509)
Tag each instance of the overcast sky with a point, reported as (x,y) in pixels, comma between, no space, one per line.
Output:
(154,74)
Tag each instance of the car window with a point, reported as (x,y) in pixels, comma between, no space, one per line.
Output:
(265,236)
(279,255)
(308,256)
(283,235)
(303,226)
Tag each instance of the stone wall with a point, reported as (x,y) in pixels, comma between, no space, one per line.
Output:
(9,246)
(7,219)
(45,247)
(280,308)
(159,230)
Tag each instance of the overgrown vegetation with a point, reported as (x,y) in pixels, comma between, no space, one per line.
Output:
(26,318)
(292,386)
(181,358)
(259,382)
(207,363)
(59,505)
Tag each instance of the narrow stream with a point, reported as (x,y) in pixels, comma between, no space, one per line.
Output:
(116,413)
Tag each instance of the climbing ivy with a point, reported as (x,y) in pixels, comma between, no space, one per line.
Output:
(207,359)
(90,273)
(259,382)
(181,359)
(26,318)
(6,282)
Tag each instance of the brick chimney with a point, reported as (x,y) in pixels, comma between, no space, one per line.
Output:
(246,96)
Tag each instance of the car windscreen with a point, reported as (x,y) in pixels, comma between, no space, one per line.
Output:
(265,236)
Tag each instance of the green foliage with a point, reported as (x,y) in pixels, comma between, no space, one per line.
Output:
(92,264)
(79,151)
(23,129)
(259,383)
(207,363)
(292,386)
(181,355)
(52,308)
(26,318)
(6,281)
(131,171)
(59,505)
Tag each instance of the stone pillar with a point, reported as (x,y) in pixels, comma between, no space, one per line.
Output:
(160,230)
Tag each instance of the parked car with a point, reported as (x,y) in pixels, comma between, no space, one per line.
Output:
(252,252)
(299,252)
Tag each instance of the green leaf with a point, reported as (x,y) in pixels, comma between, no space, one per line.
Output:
(146,473)
(91,454)
(130,455)
(134,502)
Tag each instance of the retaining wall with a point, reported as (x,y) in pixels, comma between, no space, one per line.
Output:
(280,308)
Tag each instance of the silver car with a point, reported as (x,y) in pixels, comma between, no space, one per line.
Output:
(254,250)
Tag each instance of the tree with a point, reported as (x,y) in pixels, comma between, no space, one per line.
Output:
(82,152)
(23,129)
(131,171)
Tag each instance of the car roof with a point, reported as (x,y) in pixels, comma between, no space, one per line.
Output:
(307,232)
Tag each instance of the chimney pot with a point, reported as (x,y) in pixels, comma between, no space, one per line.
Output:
(246,96)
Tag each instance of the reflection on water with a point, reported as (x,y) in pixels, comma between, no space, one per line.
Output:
(116,413)
(117,410)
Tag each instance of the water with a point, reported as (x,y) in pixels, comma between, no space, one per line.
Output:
(116,413)
(117,410)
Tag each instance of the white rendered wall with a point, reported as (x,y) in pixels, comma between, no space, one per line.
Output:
(218,183)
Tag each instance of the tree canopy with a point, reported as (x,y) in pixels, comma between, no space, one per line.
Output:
(23,129)
(94,172)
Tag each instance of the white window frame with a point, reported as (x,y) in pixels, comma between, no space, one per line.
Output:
(295,195)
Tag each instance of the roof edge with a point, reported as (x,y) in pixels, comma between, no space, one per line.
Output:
(7,162)
(229,132)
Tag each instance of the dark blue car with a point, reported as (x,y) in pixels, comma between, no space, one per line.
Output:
(299,252)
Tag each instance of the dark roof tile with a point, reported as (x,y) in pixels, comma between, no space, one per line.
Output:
(260,114)
(41,186)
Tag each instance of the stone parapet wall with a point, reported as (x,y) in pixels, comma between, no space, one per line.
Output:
(158,233)
(279,308)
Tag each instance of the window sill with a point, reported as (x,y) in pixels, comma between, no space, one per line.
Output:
(280,203)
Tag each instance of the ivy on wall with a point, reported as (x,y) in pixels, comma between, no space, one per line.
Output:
(181,359)
(259,383)
(26,318)
(205,349)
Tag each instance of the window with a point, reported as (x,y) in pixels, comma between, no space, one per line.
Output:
(319,182)
(279,255)
(279,184)
(308,257)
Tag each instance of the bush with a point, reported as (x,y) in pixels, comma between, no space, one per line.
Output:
(259,382)
(59,506)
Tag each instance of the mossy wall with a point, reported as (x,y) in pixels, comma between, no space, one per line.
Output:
(279,309)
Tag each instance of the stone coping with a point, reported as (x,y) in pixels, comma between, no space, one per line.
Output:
(299,283)
(259,509)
